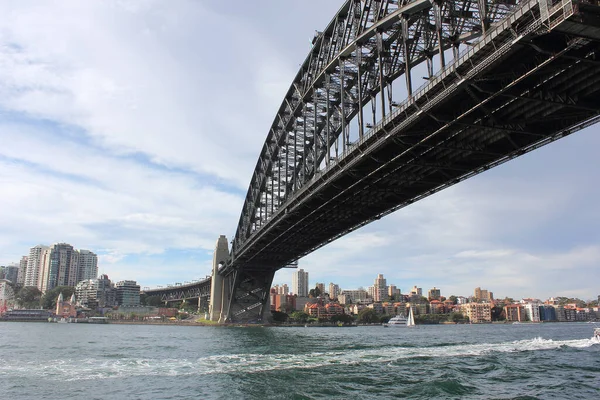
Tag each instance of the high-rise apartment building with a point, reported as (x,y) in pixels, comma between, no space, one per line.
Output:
(60,267)
(394,292)
(380,289)
(35,263)
(22,271)
(321,287)
(283,289)
(300,283)
(334,290)
(11,272)
(88,265)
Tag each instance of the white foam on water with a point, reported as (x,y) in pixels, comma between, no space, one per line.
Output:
(86,369)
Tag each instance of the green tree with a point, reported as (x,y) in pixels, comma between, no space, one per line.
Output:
(49,298)
(154,301)
(279,316)
(367,316)
(343,318)
(29,297)
(299,316)
(453,299)
(456,317)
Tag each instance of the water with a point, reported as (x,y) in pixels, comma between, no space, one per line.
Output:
(73,361)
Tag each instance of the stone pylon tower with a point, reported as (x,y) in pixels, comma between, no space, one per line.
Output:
(217,288)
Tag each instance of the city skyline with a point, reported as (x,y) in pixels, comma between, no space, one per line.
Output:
(132,144)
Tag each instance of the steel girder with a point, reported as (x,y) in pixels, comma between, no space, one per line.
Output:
(348,72)
(199,290)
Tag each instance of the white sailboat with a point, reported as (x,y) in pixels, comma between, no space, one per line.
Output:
(411,319)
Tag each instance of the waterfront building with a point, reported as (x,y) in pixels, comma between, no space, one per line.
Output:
(88,265)
(477,312)
(66,309)
(532,310)
(334,290)
(547,312)
(26,315)
(35,262)
(22,271)
(514,312)
(300,283)
(434,294)
(128,293)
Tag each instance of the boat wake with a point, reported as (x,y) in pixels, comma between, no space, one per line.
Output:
(112,367)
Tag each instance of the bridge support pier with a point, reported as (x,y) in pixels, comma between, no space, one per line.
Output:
(239,294)
(217,286)
(249,294)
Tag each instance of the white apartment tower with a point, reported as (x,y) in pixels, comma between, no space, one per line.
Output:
(300,283)
(88,265)
(334,290)
(35,264)
(380,289)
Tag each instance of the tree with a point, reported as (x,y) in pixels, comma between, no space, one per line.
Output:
(456,317)
(50,297)
(367,316)
(154,301)
(29,297)
(286,308)
(453,299)
(279,316)
(343,318)
(300,316)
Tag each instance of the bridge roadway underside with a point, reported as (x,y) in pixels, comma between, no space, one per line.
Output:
(491,108)
(197,291)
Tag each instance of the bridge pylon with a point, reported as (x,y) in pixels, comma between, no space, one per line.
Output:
(237,294)
(218,285)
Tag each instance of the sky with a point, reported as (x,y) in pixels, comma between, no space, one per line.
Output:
(131,128)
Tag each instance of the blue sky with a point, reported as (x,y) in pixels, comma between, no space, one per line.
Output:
(131,128)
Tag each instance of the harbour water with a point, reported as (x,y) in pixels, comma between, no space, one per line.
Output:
(82,361)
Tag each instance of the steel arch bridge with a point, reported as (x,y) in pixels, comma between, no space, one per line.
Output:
(354,141)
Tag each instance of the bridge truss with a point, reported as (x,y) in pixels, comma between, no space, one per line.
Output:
(341,106)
